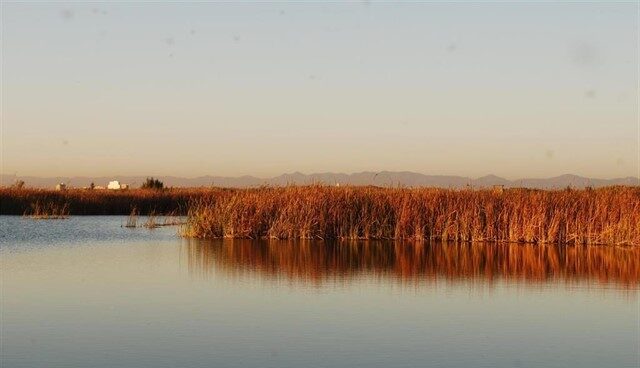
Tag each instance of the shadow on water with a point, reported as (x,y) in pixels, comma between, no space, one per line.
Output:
(317,262)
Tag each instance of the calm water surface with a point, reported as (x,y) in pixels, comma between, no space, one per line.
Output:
(85,292)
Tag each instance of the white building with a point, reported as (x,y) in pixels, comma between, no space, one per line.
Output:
(114,185)
(61,186)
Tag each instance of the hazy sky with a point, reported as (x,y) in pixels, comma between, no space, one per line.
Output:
(230,89)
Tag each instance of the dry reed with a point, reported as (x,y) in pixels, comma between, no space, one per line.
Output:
(48,211)
(132,220)
(14,201)
(592,216)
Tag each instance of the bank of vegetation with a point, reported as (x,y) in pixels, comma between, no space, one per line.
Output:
(591,216)
(43,202)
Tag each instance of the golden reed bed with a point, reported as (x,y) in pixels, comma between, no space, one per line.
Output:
(315,262)
(46,202)
(586,217)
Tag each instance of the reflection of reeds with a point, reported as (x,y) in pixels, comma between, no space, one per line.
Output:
(312,261)
(152,221)
(48,211)
(169,220)
(601,216)
(172,219)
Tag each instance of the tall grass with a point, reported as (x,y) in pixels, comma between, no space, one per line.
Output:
(592,216)
(18,201)
(48,211)
(132,220)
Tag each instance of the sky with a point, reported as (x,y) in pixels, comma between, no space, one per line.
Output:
(190,89)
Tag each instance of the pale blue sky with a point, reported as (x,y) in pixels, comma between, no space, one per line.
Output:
(230,89)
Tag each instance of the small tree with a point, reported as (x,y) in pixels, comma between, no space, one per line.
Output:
(19,184)
(151,183)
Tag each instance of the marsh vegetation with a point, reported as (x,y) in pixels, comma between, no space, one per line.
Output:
(21,201)
(48,210)
(591,216)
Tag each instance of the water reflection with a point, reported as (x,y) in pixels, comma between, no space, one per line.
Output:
(317,262)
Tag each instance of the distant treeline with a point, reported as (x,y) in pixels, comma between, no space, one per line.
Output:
(21,201)
(588,216)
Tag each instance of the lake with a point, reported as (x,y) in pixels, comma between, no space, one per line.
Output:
(87,292)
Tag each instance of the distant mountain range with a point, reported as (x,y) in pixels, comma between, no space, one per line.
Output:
(382,178)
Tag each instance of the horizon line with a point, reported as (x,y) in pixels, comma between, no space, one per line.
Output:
(297,172)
